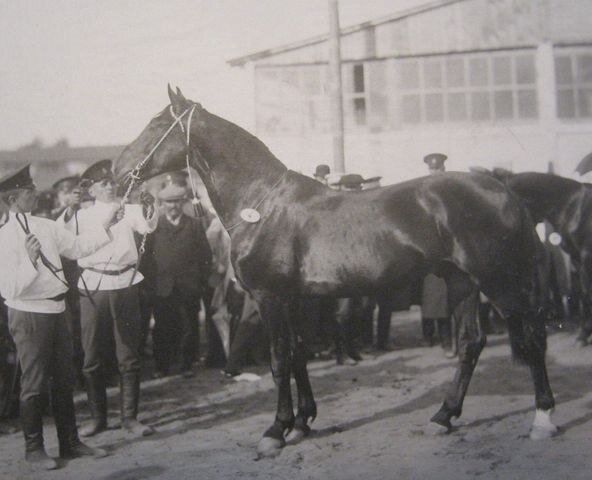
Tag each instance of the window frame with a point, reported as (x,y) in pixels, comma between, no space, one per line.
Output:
(467,90)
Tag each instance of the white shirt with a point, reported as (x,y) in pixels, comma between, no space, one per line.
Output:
(29,287)
(120,252)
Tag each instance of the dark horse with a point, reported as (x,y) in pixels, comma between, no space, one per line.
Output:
(567,205)
(292,237)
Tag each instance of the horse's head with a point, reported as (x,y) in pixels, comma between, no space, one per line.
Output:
(162,145)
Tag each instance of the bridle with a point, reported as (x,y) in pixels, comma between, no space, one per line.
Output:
(135,174)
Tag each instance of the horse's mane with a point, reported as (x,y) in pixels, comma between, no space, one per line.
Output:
(245,144)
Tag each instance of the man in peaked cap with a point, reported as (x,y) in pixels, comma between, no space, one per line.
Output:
(33,284)
(435,162)
(182,258)
(434,299)
(109,280)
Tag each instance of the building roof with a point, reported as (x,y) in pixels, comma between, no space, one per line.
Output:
(401,15)
(59,154)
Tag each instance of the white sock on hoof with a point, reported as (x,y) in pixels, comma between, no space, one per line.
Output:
(295,436)
(269,447)
(542,427)
(434,428)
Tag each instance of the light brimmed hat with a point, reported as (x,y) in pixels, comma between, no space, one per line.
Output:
(172,192)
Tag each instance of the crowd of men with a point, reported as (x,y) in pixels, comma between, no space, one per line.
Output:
(87,279)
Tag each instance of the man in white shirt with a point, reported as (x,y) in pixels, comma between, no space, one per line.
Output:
(33,284)
(110,300)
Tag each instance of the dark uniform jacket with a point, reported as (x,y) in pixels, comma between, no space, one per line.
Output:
(181,257)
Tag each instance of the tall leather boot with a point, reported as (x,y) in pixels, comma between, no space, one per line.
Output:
(130,396)
(31,412)
(96,393)
(70,444)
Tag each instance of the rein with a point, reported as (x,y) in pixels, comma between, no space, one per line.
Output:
(44,260)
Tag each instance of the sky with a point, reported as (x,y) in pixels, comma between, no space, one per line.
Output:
(95,72)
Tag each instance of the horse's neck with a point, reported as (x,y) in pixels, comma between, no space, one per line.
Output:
(239,178)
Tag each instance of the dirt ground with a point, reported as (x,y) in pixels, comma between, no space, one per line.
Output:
(372,422)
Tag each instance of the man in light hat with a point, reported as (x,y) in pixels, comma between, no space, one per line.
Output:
(110,300)
(182,258)
(33,284)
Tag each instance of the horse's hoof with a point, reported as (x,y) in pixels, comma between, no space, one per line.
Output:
(269,447)
(295,436)
(542,427)
(542,433)
(435,429)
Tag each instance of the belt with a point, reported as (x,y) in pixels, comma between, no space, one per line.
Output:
(113,273)
(58,298)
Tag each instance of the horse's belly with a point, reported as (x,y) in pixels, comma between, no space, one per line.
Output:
(347,275)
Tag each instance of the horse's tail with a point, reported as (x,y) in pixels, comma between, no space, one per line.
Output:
(528,337)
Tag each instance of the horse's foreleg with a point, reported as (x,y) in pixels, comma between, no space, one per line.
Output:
(307,408)
(470,344)
(274,315)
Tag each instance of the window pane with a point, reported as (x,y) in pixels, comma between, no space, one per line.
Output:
(478,72)
(358,78)
(480,106)
(563,70)
(585,102)
(502,73)
(502,102)
(527,104)
(409,75)
(584,68)
(434,107)
(455,72)
(525,69)
(566,107)
(411,110)
(432,72)
(360,111)
(457,106)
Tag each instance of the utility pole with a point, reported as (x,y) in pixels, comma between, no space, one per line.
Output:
(335,88)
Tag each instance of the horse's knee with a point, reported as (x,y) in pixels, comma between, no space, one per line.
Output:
(470,349)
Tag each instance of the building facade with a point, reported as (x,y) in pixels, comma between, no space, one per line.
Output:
(488,82)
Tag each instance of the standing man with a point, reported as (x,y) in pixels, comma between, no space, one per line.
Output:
(434,302)
(110,300)
(321,173)
(33,284)
(182,258)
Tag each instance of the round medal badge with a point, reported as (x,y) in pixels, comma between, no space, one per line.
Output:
(250,215)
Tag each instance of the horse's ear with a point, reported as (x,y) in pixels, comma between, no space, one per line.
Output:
(177,102)
(180,95)
(172,96)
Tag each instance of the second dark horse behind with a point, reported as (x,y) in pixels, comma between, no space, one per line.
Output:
(292,237)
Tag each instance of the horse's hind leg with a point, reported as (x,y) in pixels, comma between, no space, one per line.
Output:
(276,316)
(307,408)
(471,341)
(529,343)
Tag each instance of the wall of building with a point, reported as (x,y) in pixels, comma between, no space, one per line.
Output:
(513,88)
